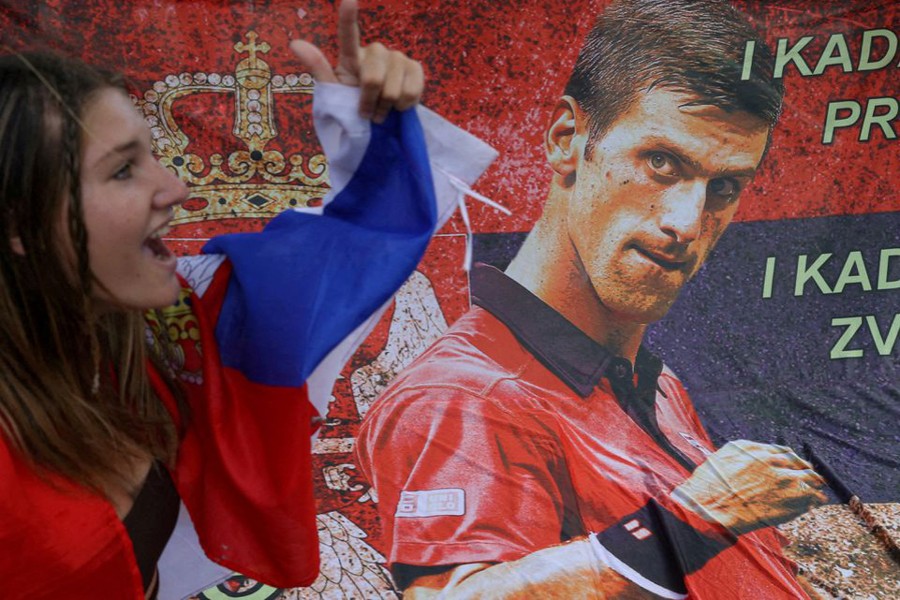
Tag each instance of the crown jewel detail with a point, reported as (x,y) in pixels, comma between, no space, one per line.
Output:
(250,182)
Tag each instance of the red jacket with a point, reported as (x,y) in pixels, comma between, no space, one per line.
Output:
(253,510)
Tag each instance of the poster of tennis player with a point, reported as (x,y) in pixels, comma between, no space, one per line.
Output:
(655,351)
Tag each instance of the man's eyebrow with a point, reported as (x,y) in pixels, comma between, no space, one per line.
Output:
(126,148)
(696,166)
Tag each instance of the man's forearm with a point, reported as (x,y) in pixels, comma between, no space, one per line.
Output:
(570,570)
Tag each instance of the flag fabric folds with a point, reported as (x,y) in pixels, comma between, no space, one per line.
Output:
(279,312)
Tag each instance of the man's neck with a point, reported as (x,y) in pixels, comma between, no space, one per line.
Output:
(549,267)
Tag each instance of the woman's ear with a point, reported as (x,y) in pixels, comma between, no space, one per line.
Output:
(565,138)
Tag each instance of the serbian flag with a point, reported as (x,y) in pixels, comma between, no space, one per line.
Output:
(276,315)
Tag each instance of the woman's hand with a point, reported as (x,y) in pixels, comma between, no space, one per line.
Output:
(387,78)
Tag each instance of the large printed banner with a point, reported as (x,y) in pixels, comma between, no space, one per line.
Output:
(788,335)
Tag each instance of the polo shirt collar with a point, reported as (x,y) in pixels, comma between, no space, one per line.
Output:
(568,352)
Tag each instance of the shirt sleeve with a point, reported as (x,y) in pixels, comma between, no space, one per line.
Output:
(460,479)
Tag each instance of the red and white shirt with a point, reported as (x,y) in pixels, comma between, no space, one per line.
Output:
(507,437)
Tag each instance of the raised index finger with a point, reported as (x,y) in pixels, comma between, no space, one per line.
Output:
(313,59)
(348,36)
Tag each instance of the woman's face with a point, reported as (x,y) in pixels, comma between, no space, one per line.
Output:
(128,199)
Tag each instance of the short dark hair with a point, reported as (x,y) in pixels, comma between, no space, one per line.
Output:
(693,46)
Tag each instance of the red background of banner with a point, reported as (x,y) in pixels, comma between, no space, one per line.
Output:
(495,69)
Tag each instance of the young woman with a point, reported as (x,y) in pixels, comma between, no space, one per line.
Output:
(101,433)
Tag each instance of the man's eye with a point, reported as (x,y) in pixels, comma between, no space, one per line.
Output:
(724,188)
(662,163)
(124,172)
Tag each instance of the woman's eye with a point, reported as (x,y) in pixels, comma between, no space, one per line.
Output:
(662,163)
(724,188)
(124,172)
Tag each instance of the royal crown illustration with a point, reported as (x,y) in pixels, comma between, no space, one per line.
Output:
(252,181)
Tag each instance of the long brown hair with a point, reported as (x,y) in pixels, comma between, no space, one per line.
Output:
(75,398)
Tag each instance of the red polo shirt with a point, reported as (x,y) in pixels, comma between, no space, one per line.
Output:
(507,437)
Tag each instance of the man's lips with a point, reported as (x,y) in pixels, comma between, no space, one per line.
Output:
(666,260)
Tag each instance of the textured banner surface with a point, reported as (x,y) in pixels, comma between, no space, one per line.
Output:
(789,334)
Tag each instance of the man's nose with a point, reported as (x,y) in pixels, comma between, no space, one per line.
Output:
(681,214)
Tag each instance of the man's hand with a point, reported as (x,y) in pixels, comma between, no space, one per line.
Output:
(746,486)
(388,78)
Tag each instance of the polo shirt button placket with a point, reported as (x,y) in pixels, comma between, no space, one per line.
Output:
(620,370)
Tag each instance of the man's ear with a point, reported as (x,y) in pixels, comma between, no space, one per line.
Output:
(565,138)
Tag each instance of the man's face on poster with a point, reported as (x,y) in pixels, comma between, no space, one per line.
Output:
(653,196)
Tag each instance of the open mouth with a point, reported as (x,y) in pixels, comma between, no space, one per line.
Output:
(155,244)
